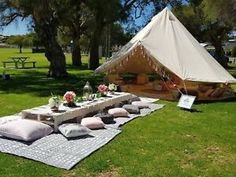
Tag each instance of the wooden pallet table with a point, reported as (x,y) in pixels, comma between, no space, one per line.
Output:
(45,115)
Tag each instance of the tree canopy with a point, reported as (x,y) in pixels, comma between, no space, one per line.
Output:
(204,27)
(85,24)
(20,41)
(221,9)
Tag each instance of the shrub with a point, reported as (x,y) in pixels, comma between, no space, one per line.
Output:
(128,76)
(234,52)
(153,76)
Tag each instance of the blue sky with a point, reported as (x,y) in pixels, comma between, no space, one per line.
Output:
(20,27)
(17,27)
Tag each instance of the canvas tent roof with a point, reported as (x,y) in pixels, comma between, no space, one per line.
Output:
(167,41)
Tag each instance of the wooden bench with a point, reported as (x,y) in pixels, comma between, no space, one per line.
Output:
(16,63)
(5,63)
(26,62)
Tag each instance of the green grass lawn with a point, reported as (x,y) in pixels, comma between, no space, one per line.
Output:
(169,142)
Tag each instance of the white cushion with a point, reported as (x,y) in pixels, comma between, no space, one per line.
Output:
(141,104)
(118,112)
(70,130)
(92,122)
(26,130)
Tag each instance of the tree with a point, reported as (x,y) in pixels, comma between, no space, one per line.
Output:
(105,12)
(73,25)
(221,9)
(46,15)
(161,4)
(119,36)
(64,38)
(145,9)
(204,28)
(101,10)
(84,43)
(20,41)
(216,32)
(36,42)
(113,37)
(198,19)
(223,14)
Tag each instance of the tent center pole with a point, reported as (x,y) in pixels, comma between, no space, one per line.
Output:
(185,89)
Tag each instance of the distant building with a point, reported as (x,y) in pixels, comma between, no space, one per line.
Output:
(230,44)
(3,38)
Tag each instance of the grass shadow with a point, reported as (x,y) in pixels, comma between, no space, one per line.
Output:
(37,83)
(192,110)
(84,66)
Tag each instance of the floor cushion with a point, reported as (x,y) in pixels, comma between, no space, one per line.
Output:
(141,104)
(134,99)
(132,109)
(70,130)
(26,130)
(118,112)
(92,122)
(106,117)
(142,78)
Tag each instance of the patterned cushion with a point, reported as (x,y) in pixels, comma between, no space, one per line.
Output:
(70,130)
(26,130)
(132,109)
(92,122)
(118,112)
(141,104)
(142,78)
(106,117)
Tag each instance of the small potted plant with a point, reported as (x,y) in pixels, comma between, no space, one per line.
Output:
(70,98)
(112,88)
(54,103)
(153,77)
(128,78)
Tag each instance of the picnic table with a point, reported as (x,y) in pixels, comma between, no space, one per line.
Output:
(20,60)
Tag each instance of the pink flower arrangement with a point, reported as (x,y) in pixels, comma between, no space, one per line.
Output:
(102,88)
(69,96)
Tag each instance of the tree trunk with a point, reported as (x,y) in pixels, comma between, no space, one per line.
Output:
(76,54)
(94,56)
(20,46)
(220,54)
(47,31)
(56,58)
(216,34)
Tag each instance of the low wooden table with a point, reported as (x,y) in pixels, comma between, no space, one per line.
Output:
(45,115)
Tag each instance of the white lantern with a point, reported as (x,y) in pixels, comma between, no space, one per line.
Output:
(87,91)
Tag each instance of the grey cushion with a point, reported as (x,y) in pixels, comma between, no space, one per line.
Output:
(26,130)
(70,130)
(106,117)
(132,109)
(134,99)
